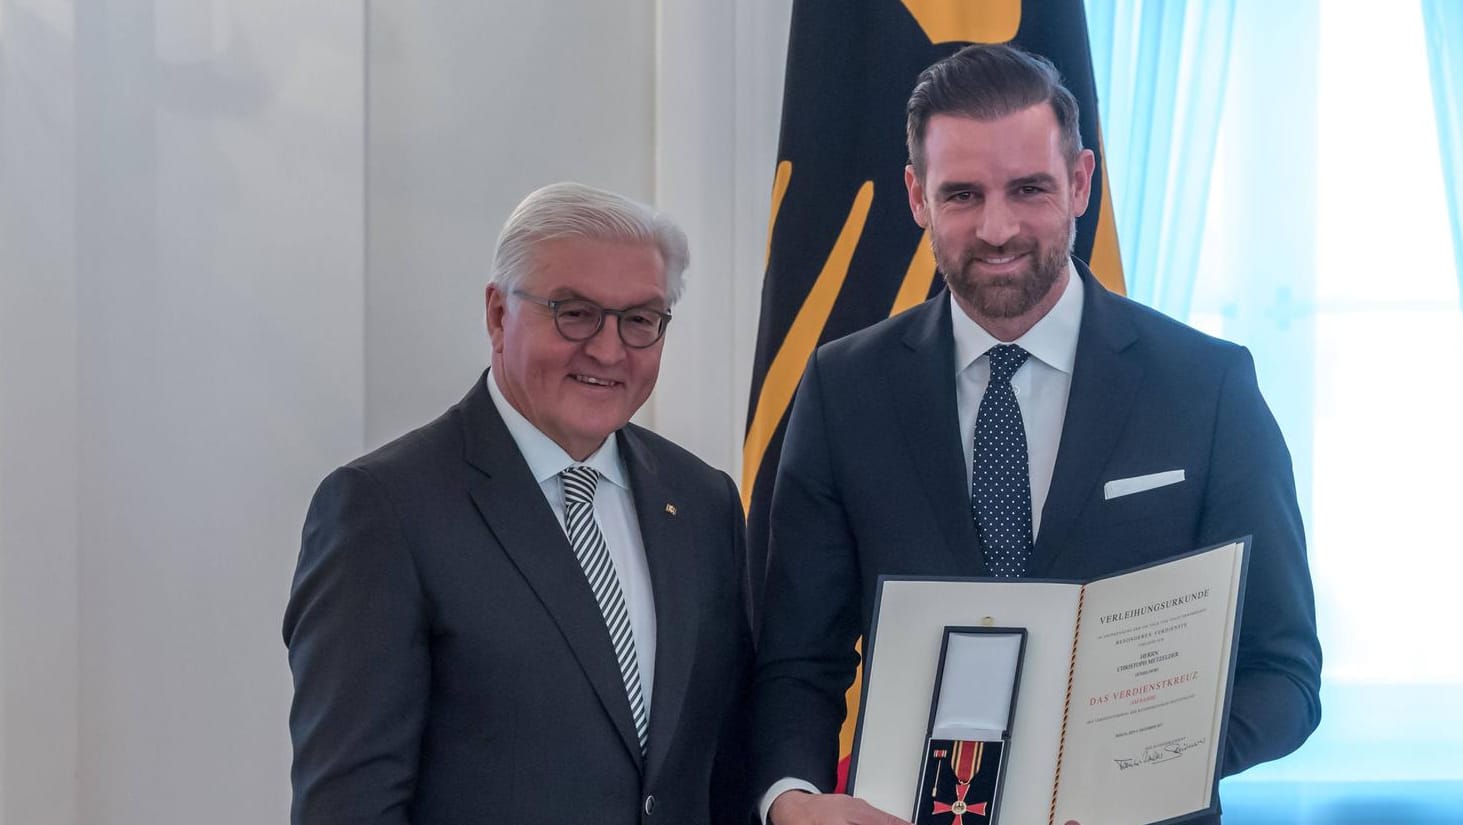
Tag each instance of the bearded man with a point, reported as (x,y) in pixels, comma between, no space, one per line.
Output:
(974,436)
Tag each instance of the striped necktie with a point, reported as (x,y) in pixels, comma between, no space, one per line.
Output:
(579,484)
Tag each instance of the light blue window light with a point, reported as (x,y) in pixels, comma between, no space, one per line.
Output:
(1279,180)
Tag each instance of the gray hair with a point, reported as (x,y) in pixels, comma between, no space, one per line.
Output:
(573,210)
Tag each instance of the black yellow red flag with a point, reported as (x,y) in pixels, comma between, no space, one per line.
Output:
(843,251)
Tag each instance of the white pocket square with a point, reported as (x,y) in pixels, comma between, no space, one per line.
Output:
(1120,487)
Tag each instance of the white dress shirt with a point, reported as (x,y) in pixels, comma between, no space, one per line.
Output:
(614,510)
(1041,386)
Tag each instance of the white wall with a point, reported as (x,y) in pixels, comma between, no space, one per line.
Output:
(719,101)
(39,506)
(241,241)
(219,240)
(180,353)
(471,107)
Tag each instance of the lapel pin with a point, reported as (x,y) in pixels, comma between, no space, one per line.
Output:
(670,508)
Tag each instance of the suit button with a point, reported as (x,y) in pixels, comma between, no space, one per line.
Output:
(650,805)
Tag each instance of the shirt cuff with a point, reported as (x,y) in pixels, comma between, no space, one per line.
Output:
(780,787)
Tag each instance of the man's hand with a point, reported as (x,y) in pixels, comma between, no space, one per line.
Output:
(803,808)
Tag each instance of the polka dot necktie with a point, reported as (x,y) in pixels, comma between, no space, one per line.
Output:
(1000,486)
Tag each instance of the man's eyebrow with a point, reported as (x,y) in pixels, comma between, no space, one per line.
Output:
(1037,179)
(569,294)
(951,187)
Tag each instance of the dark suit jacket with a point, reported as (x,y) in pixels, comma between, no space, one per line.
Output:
(872,481)
(451,664)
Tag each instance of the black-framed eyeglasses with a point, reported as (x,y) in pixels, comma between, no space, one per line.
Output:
(578,319)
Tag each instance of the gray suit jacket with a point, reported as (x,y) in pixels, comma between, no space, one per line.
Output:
(451,664)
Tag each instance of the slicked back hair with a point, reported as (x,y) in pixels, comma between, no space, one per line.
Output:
(988,82)
(573,210)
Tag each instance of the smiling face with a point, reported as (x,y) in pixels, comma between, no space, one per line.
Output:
(577,392)
(1000,201)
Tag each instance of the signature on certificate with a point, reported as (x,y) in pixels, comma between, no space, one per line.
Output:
(1161,752)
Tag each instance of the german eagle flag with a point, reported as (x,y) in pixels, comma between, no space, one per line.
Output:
(843,250)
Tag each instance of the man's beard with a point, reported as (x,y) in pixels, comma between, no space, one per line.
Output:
(1009,296)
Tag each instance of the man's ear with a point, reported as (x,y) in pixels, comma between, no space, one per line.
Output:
(916,189)
(1082,170)
(497,305)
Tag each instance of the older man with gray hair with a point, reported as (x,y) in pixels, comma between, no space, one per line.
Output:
(531,610)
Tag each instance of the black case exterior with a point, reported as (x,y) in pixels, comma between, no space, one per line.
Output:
(940,798)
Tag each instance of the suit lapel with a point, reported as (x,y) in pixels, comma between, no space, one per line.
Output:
(511,503)
(670,556)
(923,389)
(1104,385)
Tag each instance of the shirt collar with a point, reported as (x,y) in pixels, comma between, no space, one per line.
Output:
(546,459)
(1053,340)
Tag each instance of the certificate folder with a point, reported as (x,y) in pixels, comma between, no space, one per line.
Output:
(1120,708)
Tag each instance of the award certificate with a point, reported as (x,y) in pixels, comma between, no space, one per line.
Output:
(1118,714)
